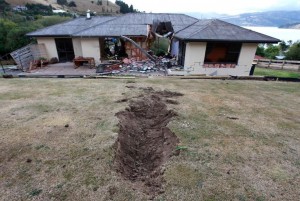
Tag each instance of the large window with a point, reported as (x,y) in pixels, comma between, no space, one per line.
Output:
(220,55)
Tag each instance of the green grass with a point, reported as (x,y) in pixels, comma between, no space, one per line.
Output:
(277,73)
(252,157)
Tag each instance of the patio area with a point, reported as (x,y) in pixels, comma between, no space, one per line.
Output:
(61,69)
(67,70)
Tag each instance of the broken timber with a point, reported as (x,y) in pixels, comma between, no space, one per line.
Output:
(140,48)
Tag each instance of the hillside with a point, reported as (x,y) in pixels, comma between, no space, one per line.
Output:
(291,26)
(81,5)
(270,18)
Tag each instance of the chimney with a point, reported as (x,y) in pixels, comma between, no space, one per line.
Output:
(88,15)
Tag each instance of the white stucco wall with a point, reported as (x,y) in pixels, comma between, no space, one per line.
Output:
(194,60)
(246,57)
(50,46)
(194,56)
(91,48)
(77,46)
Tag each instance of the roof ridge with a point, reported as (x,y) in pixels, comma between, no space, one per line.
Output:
(94,25)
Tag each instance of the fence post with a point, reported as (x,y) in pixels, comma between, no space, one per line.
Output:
(283,62)
(269,63)
(4,69)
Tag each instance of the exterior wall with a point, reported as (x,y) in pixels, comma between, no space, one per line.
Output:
(246,56)
(194,56)
(50,46)
(91,48)
(194,60)
(77,47)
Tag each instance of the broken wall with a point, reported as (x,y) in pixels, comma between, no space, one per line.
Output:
(134,52)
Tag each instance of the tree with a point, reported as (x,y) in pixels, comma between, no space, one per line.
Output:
(62,2)
(131,9)
(3,6)
(283,46)
(5,26)
(38,9)
(99,2)
(72,4)
(272,51)
(260,50)
(294,52)
(18,35)
(124,8)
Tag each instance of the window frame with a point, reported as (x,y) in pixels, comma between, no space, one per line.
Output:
(233,50)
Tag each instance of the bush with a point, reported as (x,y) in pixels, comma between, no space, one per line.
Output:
(72,4)
(51,20)
(62,2)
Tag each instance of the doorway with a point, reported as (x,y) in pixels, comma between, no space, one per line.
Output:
(65,49)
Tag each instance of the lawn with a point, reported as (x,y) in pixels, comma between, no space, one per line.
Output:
(239,140)
(277,73)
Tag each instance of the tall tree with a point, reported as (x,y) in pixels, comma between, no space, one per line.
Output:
(124,8)
(260,50)
(294,52)
(3,6)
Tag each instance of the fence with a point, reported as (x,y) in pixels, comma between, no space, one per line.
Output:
(25,55)
(278,64)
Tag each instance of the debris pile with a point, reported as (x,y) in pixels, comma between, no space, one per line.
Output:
(132,66)
(145,142)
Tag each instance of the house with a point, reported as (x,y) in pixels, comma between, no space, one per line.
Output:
(206,46)
(58,11)
(20,8)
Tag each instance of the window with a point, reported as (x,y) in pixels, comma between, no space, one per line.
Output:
(220,55)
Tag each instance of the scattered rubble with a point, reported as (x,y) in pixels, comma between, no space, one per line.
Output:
(144,141)
(135,67)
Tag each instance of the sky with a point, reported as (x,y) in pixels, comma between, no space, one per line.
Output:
(230,7)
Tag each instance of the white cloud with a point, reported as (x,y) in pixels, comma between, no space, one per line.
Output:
(217,6)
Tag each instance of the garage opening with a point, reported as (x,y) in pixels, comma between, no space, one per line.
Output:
(65,49)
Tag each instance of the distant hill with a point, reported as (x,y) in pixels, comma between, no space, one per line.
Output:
(291,26)
(270,18)
(99,6)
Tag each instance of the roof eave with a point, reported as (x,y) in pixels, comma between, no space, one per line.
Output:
(47,36)
(228,40)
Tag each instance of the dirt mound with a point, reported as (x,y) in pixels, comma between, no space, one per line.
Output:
(145,142)
(165,93)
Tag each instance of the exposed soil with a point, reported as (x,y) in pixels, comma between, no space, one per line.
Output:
(173,102)
(122,100)
(145,142)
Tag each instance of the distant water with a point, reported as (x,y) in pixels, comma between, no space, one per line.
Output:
(282,34)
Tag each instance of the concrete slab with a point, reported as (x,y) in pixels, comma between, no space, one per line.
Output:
(61,69)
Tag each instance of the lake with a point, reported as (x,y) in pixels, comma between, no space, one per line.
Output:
(282,34)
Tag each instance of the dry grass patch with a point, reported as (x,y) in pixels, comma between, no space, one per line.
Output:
(239,140)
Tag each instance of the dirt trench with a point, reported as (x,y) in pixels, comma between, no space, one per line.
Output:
(145,142)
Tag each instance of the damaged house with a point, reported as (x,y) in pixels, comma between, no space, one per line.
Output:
(206,46)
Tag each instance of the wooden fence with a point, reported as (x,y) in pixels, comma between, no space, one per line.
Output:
(25,55)
(278,64)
